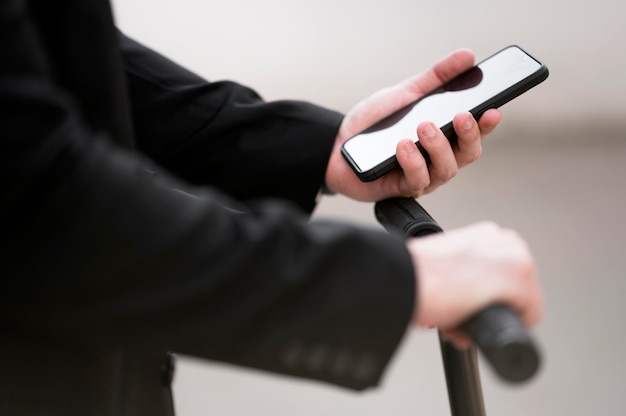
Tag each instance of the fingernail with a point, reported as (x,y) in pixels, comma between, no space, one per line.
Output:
(409,147)
(468,123)
(428,132)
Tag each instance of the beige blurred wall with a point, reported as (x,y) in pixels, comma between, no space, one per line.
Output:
(335,52)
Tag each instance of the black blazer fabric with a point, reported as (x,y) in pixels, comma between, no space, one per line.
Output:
(146,210)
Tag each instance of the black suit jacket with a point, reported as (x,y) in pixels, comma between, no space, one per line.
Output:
(131,225)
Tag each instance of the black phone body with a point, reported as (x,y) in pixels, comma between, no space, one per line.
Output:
(490,84)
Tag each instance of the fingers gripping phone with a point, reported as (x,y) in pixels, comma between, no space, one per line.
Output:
(490,84)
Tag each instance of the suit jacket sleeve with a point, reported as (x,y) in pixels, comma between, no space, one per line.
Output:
(102,248)
(224,134)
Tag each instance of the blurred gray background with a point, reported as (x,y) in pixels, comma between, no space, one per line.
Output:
(554,170)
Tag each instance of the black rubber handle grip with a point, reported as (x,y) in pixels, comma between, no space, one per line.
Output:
(497,330)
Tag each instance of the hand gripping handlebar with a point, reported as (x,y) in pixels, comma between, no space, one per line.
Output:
(497,330)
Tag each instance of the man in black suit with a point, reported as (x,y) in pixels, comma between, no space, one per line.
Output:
(146,210)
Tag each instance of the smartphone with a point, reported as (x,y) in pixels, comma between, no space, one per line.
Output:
(490,84)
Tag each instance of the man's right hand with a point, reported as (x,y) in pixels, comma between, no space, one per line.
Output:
(465,270)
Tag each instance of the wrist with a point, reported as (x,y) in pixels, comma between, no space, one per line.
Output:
(329,186)
(325,190)
(426,286)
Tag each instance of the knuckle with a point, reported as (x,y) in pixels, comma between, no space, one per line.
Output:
(421,182)
(416,186)
(451,172)
(474,155)
(445,174)
(469,155)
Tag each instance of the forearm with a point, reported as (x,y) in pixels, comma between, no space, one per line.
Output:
(224,134)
